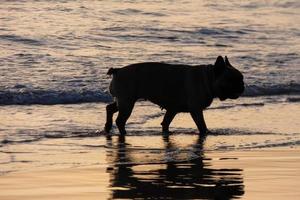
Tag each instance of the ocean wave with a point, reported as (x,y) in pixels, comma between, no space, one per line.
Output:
(131,11)
(20,39)
(270,90)
(52,97)
(37,135)
(24,96)
(180,35)
(279,139)
(274,144)
(220,31)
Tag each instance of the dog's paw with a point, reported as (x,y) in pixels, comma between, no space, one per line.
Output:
(103,132)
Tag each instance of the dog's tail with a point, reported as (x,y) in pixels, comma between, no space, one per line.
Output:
(112,71)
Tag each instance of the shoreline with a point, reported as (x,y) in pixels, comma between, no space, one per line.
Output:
(253,153)
(262,174)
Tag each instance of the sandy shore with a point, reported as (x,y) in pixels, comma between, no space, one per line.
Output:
(258,174)
(252,154)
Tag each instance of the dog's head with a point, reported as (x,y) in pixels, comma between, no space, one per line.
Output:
(228,80)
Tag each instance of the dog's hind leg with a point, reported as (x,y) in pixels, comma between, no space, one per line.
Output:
(125,109)
(199,120)
(110,110)
(169,116)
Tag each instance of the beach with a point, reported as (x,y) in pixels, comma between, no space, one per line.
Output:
(235,161)
(54,59)
(263,174)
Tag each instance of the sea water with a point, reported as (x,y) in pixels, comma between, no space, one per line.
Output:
(54,56)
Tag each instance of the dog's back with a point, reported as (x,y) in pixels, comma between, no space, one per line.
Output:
(168,86)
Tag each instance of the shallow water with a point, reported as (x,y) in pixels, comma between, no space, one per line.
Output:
(68,136)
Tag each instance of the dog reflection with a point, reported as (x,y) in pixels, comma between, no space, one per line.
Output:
(179,179)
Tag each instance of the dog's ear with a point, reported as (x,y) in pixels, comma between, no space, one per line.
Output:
(227,62)
(219,66)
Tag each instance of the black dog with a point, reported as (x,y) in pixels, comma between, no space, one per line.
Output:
(176,88)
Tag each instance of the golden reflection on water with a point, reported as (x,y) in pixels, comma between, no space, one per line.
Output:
(169,173)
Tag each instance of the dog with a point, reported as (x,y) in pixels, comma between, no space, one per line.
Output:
(176,88)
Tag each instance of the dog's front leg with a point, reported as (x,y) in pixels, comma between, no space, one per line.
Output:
(110,110)
(125,109)
(169,116)
(199,120)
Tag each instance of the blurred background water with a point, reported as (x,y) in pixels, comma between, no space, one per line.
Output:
(54,52)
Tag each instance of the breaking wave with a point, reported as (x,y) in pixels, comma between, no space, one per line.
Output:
(268,90)
(44,97)
(52,97)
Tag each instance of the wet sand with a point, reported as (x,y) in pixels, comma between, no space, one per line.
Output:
(253,153)
(259,174)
